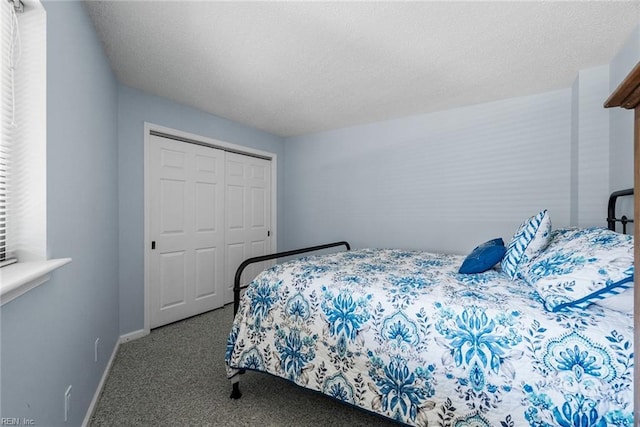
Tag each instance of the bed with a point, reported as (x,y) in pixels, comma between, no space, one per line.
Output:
(536,332)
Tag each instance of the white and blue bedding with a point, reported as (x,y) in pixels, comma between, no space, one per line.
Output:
(404,335)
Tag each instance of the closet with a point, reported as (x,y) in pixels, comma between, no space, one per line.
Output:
(208,210)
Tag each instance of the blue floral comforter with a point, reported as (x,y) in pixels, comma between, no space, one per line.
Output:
(401,334)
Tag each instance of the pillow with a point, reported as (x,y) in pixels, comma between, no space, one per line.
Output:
(582,266)
(623,302)
(483,257)
(531,238)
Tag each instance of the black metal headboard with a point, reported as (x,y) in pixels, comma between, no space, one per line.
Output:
(611,211)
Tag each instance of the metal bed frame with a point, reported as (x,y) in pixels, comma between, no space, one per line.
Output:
(237,287)
(611,210)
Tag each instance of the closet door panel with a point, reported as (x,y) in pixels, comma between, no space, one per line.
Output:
(248,215)
(186,224)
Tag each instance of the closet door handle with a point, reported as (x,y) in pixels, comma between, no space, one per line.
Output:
(153,245)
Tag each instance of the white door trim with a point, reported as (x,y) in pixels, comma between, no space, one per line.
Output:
(240,149)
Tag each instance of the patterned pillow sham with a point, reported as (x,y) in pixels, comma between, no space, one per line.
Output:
(531,238)
(623,302)
(581,267)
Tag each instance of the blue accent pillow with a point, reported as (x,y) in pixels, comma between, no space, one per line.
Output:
(483,257)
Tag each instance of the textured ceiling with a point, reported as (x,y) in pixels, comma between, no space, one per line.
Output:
(291,68)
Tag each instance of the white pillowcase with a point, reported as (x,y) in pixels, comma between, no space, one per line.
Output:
(582,267)
(623,302)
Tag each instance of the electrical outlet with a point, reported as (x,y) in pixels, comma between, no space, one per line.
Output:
(95,353)
(67,403)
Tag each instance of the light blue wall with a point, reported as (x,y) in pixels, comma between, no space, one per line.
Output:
(621,125)
(591,151)
(621,120)
(48,334)
(575,145)
(444,181)
(134,108)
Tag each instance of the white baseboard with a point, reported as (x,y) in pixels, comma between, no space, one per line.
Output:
(96,396)
(133,335)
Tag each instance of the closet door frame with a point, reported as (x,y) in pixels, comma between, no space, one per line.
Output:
(214,143)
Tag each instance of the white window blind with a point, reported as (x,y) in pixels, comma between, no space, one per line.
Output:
(9,38)
(23,131)
(4,172)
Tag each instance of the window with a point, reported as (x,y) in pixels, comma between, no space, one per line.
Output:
(10,54)
(23,144)
(23,131)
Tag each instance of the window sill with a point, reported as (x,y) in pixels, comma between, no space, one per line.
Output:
(17,279)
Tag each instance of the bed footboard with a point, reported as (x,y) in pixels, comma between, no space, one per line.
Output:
(237,287)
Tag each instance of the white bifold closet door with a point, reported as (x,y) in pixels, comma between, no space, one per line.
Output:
(248,216)
(209,210)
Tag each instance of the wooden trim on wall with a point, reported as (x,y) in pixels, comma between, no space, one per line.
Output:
(627,94)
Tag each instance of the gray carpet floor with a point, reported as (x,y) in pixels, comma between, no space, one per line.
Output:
(176,376)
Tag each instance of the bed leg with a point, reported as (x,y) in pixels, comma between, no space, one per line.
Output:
(235,391)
